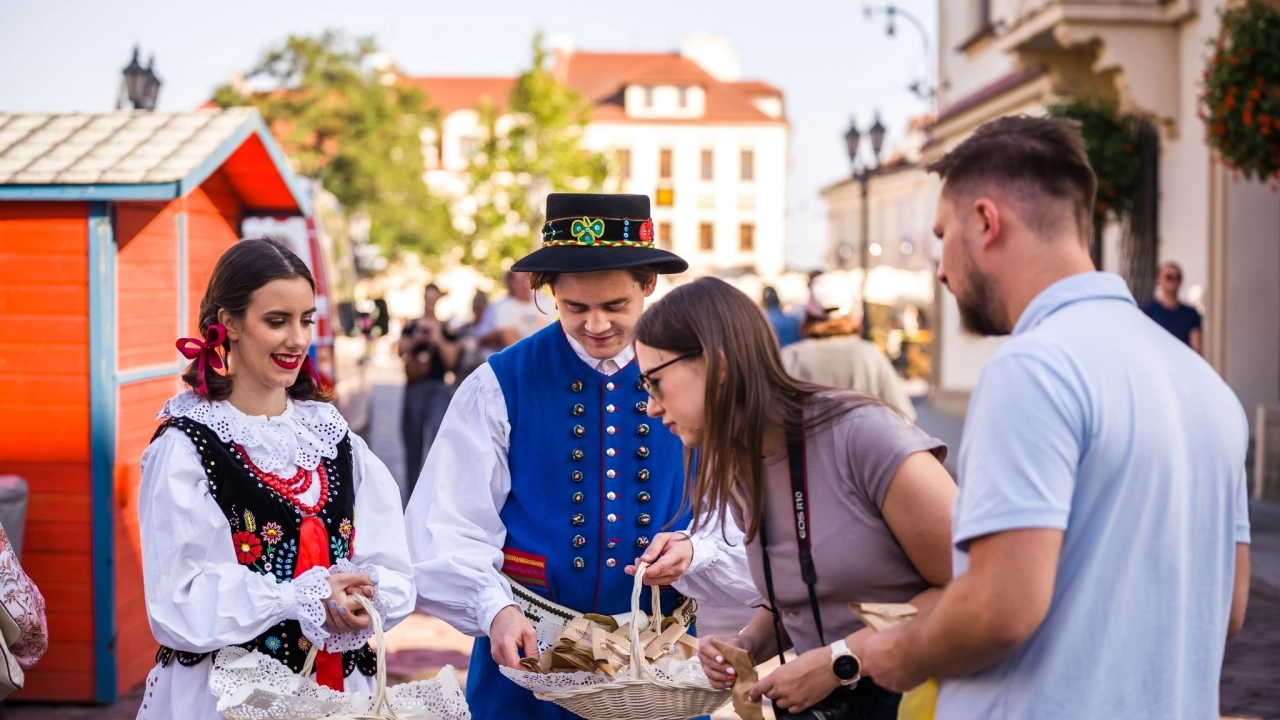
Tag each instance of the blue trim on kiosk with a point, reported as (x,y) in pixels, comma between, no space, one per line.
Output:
(102,443)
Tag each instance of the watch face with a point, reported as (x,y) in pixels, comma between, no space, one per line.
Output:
(846,667)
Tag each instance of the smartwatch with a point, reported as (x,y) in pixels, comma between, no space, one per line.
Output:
(846,666)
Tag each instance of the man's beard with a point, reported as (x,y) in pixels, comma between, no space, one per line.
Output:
(980,312)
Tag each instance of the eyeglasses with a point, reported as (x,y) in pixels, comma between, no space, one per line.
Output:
(650,383)
(1171,276)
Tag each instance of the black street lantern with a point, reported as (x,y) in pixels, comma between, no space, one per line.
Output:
(140,83)
(851,139)
(877,137)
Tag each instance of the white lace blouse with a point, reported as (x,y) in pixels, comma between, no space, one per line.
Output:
(199,597)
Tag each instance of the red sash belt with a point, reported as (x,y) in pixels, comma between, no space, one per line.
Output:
(313,551)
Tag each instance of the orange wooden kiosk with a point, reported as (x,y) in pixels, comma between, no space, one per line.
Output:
(110,225)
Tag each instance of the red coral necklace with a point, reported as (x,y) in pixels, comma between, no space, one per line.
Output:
(291,488)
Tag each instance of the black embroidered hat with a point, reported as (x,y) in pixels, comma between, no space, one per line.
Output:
(585,232)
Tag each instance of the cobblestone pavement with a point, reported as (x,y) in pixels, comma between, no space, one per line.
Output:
(1251,668)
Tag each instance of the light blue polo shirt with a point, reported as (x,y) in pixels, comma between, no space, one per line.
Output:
(1094,420)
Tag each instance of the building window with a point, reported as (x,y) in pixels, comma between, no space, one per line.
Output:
(664,164)
(665,197)
(466,147)
(624,164)
(748,165)
(706,237)
(708,169)
(648,97)
(747,237)
(683,94)
(664,235)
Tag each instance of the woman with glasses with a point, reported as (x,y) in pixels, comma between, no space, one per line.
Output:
(841,499)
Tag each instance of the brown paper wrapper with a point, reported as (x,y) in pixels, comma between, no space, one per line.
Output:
(879,616)
(587,645)
(744,667)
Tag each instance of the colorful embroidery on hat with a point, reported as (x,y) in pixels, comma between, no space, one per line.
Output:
(597,232)
(593,229)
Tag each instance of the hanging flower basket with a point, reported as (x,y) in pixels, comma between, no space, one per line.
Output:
(1240,105)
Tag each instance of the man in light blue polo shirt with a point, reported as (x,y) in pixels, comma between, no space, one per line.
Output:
(1101,529)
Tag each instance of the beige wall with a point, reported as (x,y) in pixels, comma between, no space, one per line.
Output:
(1252,294)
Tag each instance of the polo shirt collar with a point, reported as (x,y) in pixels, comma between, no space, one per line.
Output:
(1084,286)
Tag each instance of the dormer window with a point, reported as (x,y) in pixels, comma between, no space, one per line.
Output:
(665,101)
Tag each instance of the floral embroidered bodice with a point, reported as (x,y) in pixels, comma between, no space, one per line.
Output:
(265,526)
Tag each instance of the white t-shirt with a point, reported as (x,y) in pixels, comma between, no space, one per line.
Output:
(523,317)
(1095,421)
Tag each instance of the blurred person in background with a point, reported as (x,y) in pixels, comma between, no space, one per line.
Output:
(516,316)
(469,334)
(835,355)
(1169,312)
(785,327)
(430,353)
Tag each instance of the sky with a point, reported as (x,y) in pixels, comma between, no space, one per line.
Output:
(831,62)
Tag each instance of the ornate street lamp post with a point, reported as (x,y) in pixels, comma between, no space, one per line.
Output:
(141,86)
(922,87)
(862,173)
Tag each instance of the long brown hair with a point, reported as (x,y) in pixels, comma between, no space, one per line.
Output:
(748,392)
(242,269)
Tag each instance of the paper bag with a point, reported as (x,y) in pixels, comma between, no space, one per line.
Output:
(744,667)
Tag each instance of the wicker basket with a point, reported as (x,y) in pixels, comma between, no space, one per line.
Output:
(279,695)
(647,697)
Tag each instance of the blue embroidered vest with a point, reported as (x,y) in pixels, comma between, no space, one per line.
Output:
(593,478)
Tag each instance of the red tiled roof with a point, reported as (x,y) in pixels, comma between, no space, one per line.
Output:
(601,78)
(758,88)
(459,93)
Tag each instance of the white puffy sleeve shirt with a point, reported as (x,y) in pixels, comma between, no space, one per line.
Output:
(200,598)
(456,534)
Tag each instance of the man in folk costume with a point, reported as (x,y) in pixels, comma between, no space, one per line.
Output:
(548,479)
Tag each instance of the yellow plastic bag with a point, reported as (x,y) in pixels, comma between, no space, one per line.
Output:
(920,702)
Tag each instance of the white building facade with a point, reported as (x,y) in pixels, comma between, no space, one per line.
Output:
(709,149)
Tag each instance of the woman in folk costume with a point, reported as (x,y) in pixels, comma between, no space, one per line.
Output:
(261,513)
(547,479)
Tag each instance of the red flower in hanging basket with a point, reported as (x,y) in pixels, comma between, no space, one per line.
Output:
(248,547)
(1240,95)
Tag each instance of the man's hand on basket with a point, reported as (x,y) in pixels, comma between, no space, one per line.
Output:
(800,683)
(510,633)
(718,670)
(668,556)
(345,613)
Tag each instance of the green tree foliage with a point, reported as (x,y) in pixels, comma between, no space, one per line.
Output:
(533,149)
(353,127)
(1108,138)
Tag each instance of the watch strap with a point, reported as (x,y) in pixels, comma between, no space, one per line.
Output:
(841,649)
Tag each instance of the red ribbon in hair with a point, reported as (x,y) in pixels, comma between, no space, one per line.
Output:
(204,353)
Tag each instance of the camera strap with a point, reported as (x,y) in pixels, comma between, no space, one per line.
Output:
(797,467)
